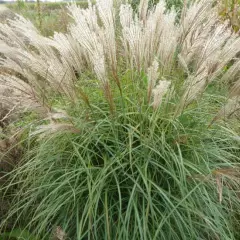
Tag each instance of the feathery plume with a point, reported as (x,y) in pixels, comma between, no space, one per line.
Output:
(152,78)
(107,15)
(143,9)
(159,92)
(52,128)
(235,89)
(230,109)
(143,41)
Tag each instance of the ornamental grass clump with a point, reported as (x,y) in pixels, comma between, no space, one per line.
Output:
(134,135)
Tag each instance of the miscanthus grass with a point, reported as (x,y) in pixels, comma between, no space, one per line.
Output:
(135,135)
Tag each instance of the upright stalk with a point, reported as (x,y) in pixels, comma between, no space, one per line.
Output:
(39,14)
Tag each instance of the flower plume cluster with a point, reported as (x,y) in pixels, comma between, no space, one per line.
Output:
(105,41)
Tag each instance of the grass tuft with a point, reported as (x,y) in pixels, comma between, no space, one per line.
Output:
(135,135)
